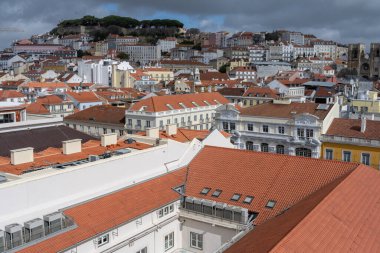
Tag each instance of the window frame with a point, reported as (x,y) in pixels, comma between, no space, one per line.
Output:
(102,240)
(198,239)
(329,151)
(169,241)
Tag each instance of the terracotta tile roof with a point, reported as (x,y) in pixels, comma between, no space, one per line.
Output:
(284,110)
(265,236)
(53,156)
(351,128)
(4,94)
(84,97)
(348,215)
(260,92)
(44,85)
(37,108)
(159,103)
(266,176)
(102,114)
(113,210)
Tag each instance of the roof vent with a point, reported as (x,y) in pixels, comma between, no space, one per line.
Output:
(171,129)
(72,146)
(153,132)
(23,155)
(108,139)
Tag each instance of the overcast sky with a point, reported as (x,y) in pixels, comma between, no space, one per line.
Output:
(341,20)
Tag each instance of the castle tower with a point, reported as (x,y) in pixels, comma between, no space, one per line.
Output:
(374,60)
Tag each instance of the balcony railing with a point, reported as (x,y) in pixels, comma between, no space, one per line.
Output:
(352,141)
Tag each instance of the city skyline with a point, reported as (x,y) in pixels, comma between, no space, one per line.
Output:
(343,21)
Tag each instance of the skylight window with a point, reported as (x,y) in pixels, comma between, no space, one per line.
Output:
(216,101)
(271,204)
(216,193)
(195,104)
(205,190)
(170,106)
(236,197)
(248,200)
(207,103)
(183,105)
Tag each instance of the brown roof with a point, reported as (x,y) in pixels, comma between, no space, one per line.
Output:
(265,176)
(260,92)
(351,128)
(237,92)
(113,210)
(213,76)
(284,110)
(39,139)
(37,108)
(159,103)
(4,94)
(341,217)
(84,97)
(102,113)
(44,85)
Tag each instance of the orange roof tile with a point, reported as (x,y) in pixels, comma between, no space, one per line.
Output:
(351,128)
(84,97)
(113,210)
(159,103)
(266,176)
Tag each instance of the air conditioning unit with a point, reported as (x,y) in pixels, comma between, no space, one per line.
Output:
(2,241)
(13,236)
(53,222)
(33,229)
(93,158)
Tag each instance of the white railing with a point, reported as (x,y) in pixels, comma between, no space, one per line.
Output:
(349,140)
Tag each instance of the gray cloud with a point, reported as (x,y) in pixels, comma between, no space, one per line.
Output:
(341,20)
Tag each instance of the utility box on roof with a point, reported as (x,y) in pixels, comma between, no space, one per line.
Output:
(108,139)
(23,155)
(72,146)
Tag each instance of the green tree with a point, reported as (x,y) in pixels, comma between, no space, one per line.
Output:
(123,56)
(223,68)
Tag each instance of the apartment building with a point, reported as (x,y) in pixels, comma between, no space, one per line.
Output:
(353,140)
(114,40)
(141,53)
(11,112)
(193,111)
(278,127)
(50,106)
(167,44)
(293,37)
(245,97)
(258,53)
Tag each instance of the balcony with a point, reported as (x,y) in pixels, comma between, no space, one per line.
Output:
(351,141)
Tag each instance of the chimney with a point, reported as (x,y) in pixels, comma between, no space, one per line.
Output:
(171,129)
(363,124)
(22,155)
(153,132)
(72,146)
(108,139)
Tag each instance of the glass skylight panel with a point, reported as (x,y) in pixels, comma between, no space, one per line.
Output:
(271,204)
(205,190)
(216,193)
(236,197)
(207,103)
(248,200)
(170,106)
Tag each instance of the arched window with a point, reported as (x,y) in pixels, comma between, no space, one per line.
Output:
(280,149)
(264,147)
(305,152)
(249,145)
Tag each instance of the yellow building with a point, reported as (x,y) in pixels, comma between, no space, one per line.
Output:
(160,74)
(370,105)
(353,140)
